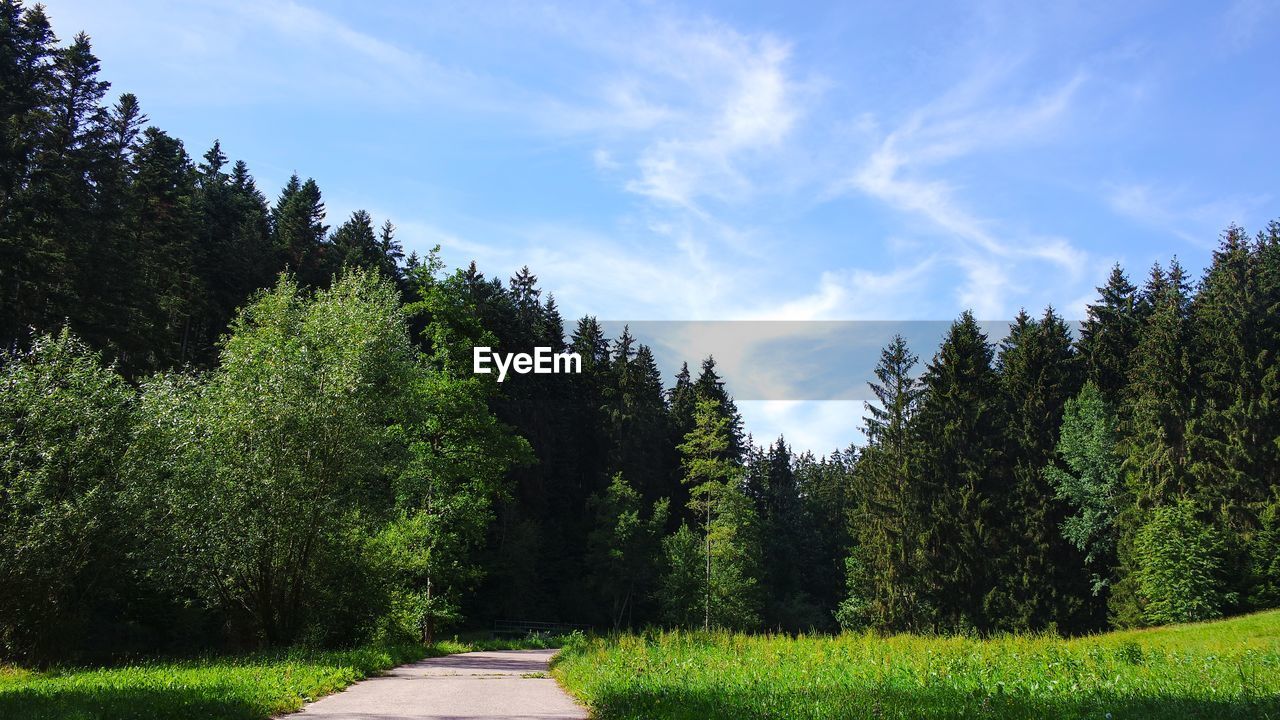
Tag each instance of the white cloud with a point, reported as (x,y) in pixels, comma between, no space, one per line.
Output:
(603,160)
(963,122)
(820,427)
(1180,212)
(754,112)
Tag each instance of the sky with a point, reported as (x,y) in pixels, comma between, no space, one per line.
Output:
(741,161)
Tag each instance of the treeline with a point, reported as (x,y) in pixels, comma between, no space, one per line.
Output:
(1131,476)
(223,423)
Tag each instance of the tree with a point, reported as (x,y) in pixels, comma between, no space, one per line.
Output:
(26,258)
(960,467)
(1179,567)
(283,452)
(162,222)
(728,521)
(458,458)
(790,548)
(623,548)
(1039,373)
(299,233)
(682,587)
(65,421)
(710,386)
(827,488)
(1091,484)
(355,244)
(1159,397)
(1109,336)
(888,515)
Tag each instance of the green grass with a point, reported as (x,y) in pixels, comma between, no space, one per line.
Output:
(1225,669)
(237,687)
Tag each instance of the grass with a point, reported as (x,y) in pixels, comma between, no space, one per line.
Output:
(1224,669)
(229,687)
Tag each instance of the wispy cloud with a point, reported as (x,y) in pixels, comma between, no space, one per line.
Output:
(906,169)
(755,111)
(1180,212)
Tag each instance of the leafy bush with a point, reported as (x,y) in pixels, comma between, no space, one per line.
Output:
(64,427)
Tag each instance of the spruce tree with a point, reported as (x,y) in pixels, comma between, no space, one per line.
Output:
(300,235)
(710,386)
(1039,372)
(962,475)
(1109,335)
(162,223)
(25,99)
(890,511)
(1159,396)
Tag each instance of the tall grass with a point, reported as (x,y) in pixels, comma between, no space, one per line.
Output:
(1227,669)
(236,687)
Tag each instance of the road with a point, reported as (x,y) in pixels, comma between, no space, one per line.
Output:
(508,684)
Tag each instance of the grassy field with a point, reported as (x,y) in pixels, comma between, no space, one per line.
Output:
(1225,669)
(240,687)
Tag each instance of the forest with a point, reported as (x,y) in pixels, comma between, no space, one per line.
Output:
(225,423)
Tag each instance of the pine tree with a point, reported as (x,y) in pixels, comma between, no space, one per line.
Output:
(1109,335)
(890,512)
(1039,373)
(962,475)
(827,491)
(728,522)
(1160,392)
(789,542)
(710,386)
(638,419)
(162,226)
(1231,456)
(1159,396)
(300,235)
(110,273)
(25,98)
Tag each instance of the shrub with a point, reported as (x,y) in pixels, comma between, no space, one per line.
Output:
(1180,561)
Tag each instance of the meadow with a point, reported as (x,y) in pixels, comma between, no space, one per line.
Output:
(227,687)
(1223,669)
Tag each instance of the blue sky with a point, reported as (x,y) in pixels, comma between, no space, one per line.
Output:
(797,161)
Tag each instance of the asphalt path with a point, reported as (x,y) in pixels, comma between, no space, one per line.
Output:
(509,684)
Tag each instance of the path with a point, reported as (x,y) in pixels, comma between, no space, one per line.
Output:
(470,686)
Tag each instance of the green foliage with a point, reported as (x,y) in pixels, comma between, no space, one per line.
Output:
(858,610)
(1091,484)
(1179,567)
(623,548)
(963,477)
(1109,335)
(1228,669)
(681,588)
(1039,373)
(64,427)
(458,456)
(888,518)
(262,467)
(729,522)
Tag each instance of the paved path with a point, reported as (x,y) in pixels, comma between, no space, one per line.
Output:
(470,686)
